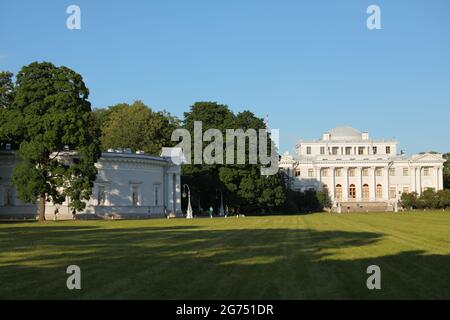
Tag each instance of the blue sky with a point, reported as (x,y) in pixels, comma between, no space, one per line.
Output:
(310,65)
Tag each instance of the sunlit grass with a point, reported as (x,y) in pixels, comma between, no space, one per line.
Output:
(291,257)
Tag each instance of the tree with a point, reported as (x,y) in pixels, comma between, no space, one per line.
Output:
(52,114)
(242,184)
(6,99)
(409,200)
(145,130)
(447,171)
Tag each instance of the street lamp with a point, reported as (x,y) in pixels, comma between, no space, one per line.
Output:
(221,212)
(189,208)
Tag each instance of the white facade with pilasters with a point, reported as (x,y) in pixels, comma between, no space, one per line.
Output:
(357,170)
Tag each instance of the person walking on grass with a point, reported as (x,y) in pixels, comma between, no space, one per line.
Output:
(211,210)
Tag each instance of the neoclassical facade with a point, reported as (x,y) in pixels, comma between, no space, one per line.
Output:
(128,185)
(359,172)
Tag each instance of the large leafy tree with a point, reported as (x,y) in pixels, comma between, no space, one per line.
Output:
(243,186)
(6,99)
(135,126)
(50,114)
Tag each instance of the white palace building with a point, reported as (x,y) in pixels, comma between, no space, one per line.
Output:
(358,172)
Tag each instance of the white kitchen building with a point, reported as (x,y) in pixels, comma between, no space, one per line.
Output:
(358,172)
(128,185)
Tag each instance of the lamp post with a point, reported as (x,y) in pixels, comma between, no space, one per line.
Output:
(221,211)
(189,208)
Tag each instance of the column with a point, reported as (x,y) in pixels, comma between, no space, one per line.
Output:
(419,191)
(386,186)
(437,170)
(441,178)
(359,185)
(412,173)
(345,186)
(177,193)
(170,196)
(319,177)
(372,184)
(332,188)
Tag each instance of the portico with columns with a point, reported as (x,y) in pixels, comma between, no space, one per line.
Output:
(355,169)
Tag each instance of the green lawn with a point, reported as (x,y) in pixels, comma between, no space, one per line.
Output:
(314,256)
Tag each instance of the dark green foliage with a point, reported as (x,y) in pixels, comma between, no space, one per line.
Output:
(447,171)
(50,113)
(429,199)
(147,130)
(245,190)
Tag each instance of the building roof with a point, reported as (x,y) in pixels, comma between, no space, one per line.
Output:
(344,133)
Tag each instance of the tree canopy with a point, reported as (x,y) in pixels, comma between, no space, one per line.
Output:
(135,126)
(50,113)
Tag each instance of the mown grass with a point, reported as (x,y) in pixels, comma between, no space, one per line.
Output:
(318,256)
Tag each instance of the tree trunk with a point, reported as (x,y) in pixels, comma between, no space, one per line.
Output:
(42,207)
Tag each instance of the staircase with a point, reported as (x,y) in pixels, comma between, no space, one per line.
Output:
(377,206)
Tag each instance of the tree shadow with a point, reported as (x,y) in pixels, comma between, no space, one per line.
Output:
(192,262)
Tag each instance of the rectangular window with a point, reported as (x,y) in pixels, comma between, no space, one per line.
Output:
(405,172)
(375,150)
(348,150)
(297,172)
(388,150)
(379,172)
(322,150)
(392,192)
(338,172)
(335,150)
(365,172)
(361,150)
(308,150)
(351,172)
(310,173)
(392,172)
(324,172)
(426,172)
(405,189)
(156,195)
(135,195)
(101,196)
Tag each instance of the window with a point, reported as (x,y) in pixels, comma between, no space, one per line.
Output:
(379,172)
(392,172)
(308,150)
(388,150)
(374,150)
(405,172)
(324,172)
(310,173)
(348,150)
(361,150)
(338,192)
(379,194)
(405,189)
(335,150)
(322,150)
(101,195)
(426,172)
(352,191)
(297,172)
(325,188)
(351,172)
(365,172)
(365,192)
(156,195)
(135,195)
(338,172)
(392,193)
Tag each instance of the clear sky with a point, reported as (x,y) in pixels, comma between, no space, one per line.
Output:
(310,65)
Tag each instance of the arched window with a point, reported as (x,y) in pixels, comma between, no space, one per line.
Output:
(338,192)
(379,191)
(352,191)
(365,192)
(325,188)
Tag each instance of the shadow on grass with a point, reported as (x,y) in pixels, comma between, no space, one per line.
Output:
(190,262)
